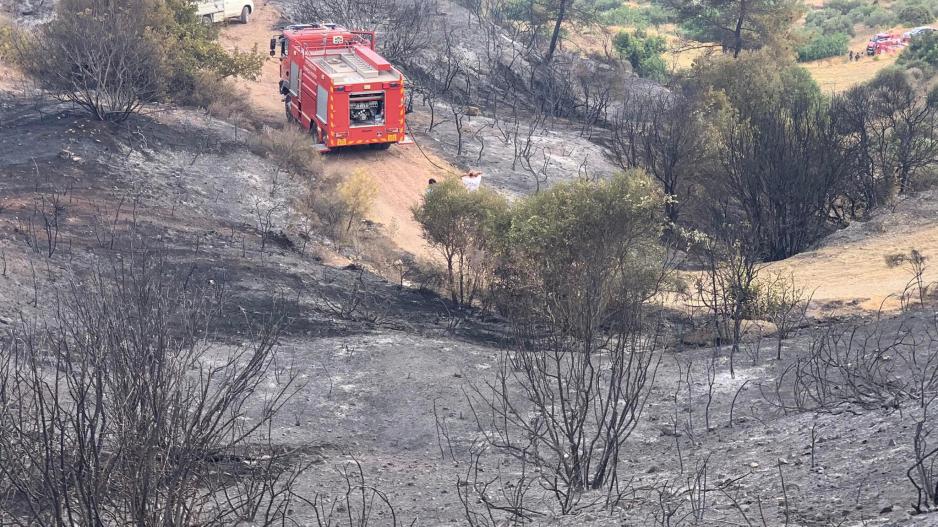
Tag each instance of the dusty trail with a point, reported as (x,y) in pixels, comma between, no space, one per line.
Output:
(400,173)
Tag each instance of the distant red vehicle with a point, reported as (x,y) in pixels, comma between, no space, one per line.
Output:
(338,87)
(883,43)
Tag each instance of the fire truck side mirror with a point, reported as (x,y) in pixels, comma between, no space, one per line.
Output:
(273,46)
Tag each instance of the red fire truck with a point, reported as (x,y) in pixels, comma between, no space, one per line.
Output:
(336,86)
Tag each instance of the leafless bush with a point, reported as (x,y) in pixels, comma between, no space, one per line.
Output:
(785,304)
(43,224)
(877,365)
(223,99)
(842,367)
(685,500)
(98,55)
(123,409)
(266,213)
(360,505)
(916,290)
(922,473)
(404,26)
(726,288)
(355,301)
(290,149)
(596,390)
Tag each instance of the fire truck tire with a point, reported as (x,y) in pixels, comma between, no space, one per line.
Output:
(245,14)
(207,20)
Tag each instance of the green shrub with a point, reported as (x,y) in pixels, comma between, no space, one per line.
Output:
(605,5)
(624,15)
(915,15)
(584,243)
(464,227)
(658,15)
(840,16)
(875,16)
(844,6)
(192,48)
(829,21)
(643,52)
(617,13)
(822,46)
(6,40)
(921,53)
(289,148)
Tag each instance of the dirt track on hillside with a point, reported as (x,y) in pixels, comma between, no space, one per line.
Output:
(400,173)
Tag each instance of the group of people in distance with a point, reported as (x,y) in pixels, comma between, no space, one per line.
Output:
(472,180)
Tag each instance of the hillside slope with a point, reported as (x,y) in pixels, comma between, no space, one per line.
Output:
(849,270)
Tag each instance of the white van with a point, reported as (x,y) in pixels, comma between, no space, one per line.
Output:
(220,10)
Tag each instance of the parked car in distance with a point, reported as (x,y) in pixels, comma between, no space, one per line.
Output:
(917,32)
(213,11)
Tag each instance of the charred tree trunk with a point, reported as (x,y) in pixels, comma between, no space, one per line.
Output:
(555,36)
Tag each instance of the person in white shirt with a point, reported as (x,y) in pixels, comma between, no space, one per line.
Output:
(472,180)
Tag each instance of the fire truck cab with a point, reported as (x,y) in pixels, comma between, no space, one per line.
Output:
(336,86)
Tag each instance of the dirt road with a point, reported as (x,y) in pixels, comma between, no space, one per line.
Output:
(400,173)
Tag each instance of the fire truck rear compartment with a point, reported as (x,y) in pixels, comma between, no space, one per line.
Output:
(366,109)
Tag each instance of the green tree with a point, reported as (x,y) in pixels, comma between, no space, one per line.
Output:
(754,81)
(587,250)
(921,53)
(916,15)
(191,47)
(643,52)
(737,24)
(829,20)
(780,158)
(823,45)
(894,126)
(464,228)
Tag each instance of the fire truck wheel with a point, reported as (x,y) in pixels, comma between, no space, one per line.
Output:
(245,14)
(207,20)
